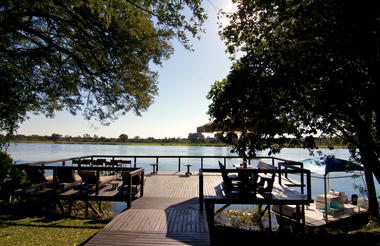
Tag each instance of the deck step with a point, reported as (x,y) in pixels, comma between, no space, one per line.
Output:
(148,238)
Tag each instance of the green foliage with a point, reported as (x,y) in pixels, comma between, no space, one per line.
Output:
(247,219)
(310,68)
(196,138)
(86,56)
(5,169)
(122,139)
(10,179)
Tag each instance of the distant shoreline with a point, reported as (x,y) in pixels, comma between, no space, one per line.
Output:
(158,144)
(128,143)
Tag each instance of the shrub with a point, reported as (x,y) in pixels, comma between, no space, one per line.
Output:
(10,179)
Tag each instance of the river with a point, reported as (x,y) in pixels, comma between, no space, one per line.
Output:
(31,152)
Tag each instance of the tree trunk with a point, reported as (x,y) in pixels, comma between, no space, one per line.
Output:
(368,163)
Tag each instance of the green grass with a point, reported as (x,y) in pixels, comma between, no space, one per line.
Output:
(36,222)
(42,231)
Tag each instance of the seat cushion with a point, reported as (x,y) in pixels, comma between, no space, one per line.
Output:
(105,179)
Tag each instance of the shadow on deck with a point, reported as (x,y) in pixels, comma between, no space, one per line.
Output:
(168,214)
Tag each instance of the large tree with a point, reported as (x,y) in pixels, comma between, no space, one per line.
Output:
(90,56)
(308,68)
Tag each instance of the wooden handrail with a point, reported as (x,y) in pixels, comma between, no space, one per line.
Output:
(93,158)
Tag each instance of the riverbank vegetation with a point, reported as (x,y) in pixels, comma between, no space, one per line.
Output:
(195,139)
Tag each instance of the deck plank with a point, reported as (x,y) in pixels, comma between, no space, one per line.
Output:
(168,214)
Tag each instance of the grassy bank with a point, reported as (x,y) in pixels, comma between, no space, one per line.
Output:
(43,231)
(38,222)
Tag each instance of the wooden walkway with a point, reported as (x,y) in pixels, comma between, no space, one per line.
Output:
(168,214)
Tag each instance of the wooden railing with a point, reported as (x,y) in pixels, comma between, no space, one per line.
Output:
(135,160)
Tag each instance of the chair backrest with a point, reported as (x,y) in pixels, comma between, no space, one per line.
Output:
(265,166)
(136,180)
(89,176)
(226,180)
(65,175)
(36,175)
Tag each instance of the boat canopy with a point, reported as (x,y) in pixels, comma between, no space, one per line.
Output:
(325,165)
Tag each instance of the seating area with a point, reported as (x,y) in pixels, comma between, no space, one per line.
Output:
(259,185)
(249,181)
(84,181)
(334,202)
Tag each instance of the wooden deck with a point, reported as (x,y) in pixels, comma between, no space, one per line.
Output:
(168,214)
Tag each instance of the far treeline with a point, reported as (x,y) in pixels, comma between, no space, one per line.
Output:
(193,139)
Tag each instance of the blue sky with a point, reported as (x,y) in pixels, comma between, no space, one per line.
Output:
(184,81)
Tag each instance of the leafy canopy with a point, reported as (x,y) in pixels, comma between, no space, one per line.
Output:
(310,68)
(92,56)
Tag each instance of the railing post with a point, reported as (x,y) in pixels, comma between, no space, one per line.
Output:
(225,162)
(179,164)
(308,176)
(201,198)
(134,161)
(157,164)
(201,162)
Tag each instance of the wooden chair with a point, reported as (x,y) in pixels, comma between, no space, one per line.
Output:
(234,185)
(243,186)
(92,181)
(37,179)
(265,181)
(230,184)
(138,182)
(66,178)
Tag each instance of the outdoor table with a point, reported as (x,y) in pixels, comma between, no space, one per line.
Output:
(246,178)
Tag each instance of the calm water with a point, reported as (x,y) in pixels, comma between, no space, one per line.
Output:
(30,152)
